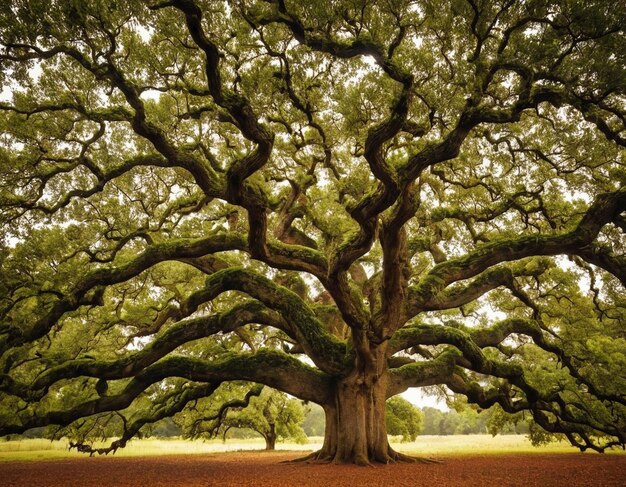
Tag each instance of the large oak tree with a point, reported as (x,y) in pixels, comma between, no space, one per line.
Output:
(340,200)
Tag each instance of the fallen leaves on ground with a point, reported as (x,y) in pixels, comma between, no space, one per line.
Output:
(269,469)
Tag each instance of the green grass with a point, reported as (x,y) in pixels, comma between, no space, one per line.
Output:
(478,445)
(39,449)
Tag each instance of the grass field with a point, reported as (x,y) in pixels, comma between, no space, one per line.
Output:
(39,449)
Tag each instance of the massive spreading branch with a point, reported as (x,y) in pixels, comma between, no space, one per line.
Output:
(340,200)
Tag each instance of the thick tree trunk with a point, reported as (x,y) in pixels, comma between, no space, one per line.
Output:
(270,438)
(355,422)
(355,425)
(355,418)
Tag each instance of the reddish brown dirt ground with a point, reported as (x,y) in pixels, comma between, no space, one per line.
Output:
(265,469)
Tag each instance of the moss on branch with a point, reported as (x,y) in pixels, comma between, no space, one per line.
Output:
(606,208)
(133,363)
(269,367)
(420,374)
(326,351)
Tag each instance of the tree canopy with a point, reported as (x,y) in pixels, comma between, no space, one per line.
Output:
(403,419)
(340,200)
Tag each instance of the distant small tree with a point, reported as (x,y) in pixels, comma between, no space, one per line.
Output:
(403,418)
(273,415)
(270,413)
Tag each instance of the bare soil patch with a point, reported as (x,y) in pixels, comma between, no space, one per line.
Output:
(266,469)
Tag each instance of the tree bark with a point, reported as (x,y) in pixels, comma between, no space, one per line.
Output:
(355,418)
(270,438)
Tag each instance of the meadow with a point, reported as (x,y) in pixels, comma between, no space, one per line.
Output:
(41,449)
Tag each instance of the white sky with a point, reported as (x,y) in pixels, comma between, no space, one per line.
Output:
(422,399)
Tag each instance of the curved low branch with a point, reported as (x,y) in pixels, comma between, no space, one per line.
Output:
(181,249)
(220,415)
(301,323)
(328,353)
(132,364)
(469,341)
(420,374)
(492,278)
(605,209)
(171,407)
(177,249)
(553,414)
(268,367)
(472,355)
(496,334)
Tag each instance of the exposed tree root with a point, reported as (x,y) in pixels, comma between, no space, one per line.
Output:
(398,457)
(322,458)
(315,457)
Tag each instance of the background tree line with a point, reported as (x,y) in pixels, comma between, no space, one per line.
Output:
(277,417)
